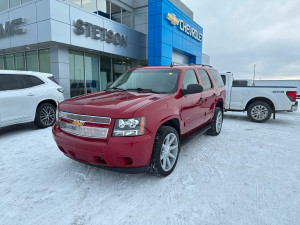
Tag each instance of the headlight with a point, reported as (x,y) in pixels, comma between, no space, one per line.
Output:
(130,127)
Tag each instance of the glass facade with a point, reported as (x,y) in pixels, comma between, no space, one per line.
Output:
(116,13)
(91,72)
(19,61)
(44,60)
(106,9)
(7,4)
(37,60)
(76,63)
(105,71)
(1,62)
(9,63)
(32,61)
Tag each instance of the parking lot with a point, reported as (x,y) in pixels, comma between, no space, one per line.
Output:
(249,174)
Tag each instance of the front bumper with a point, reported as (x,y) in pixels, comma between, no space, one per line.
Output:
(121,154)
(295,107)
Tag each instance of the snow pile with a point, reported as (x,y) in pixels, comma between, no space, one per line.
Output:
(250,174)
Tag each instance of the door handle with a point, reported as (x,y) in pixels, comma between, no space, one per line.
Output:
(201,100)
(214,95)
(30,94)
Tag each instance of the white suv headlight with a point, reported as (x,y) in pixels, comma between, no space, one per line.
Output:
(130,127)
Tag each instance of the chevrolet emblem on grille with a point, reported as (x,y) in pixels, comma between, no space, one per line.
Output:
(77,123)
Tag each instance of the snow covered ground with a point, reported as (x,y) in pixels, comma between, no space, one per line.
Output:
(250,174)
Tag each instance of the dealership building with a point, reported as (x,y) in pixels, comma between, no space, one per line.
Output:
(87,43)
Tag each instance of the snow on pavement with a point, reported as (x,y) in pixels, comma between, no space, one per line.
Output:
(249,174)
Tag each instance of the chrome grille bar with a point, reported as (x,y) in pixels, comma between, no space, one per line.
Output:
(82,131)
(85,118)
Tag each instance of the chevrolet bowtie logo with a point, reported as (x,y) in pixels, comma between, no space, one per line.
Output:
(77,123)
(172,18)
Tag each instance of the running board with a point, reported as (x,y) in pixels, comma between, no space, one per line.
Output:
(200,131)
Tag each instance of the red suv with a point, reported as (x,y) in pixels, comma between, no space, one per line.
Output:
(136,124)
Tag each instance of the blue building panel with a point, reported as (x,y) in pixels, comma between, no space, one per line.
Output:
(165,35)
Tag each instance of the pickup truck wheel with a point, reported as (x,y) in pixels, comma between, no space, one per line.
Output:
(165,152)
(259,112)
(45,115)
(216,123)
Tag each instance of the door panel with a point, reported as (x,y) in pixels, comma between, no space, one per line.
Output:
(192,111)
(208,94)
(16,99)
(18,106)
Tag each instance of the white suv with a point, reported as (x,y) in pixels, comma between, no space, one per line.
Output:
(28,97)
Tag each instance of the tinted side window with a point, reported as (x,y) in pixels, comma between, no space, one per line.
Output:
(206,83)
(189,78)
(35,81)
(10,82)
(217,78)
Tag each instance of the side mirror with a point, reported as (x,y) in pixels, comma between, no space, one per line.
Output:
(192,89)
(109,84)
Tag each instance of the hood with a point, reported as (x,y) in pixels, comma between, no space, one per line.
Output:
(113,104)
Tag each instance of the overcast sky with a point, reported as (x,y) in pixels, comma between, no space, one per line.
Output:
(238,34)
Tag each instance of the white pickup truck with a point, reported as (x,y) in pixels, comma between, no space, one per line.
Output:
(259,101)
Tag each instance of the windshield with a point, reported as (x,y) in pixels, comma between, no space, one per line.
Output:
(148,80)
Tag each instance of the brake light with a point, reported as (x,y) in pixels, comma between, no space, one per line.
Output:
(292,95)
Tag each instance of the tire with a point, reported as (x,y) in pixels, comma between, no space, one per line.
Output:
(45,116)
(159,164)
(216,123)
(259,112)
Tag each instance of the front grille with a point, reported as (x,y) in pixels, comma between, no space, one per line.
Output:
(84,131)
(85,118)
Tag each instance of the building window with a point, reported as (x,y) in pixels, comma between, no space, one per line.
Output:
(25,1)
(9,63)
(6,4)
(44,61)
(106,9)
(3,5)
(90,5)
(105,71)
(32,61)
(75,2)
(13,3)
(126,18)
(116,13)
(92,73)
(76,64)
(117,68)
(1,62)
(20,61)
(37,60)
(103,7)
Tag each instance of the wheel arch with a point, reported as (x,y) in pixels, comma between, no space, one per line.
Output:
(261,99)
(50,101)
(220,104)
(172,122)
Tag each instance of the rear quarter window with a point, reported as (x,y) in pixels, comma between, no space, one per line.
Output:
(217,78)
(52,79)
(35,81)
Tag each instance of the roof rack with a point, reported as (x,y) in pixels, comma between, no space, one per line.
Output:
(194,64)
(191,64)
(177,64)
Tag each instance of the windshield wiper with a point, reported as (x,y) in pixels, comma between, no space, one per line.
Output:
(117,89)
(143,90)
